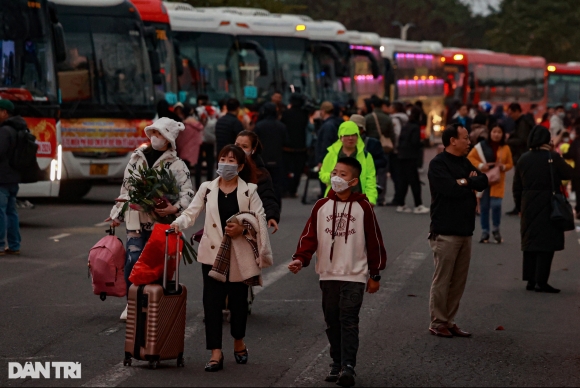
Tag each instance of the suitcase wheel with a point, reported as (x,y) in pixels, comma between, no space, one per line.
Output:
(153,364)
(127,362)
(180,363)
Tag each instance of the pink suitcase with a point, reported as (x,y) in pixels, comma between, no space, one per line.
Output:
(107,266)
(156,319)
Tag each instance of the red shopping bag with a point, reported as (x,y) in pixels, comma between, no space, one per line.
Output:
(149,268)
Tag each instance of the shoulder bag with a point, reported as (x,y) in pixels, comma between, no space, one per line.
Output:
(562,215)
(386,142)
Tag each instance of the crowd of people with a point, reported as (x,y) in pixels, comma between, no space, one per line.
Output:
(261,159)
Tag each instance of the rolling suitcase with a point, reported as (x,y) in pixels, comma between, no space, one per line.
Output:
(156,318)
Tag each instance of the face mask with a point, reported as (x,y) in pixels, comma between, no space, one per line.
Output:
(572,136)
(409,112)
(249,153)
(158,143)
(338,184)
(227,171)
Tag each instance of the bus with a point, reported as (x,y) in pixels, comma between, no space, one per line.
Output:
(481,75)
(245,53)
(106,89)
(414,72)
(367,68)
(563,84)
(31,41)
(154,15)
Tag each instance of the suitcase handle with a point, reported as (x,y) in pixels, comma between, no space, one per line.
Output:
(178,236)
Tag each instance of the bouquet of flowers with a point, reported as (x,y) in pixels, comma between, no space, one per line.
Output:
(152,189)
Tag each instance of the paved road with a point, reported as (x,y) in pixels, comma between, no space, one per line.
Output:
(48,313)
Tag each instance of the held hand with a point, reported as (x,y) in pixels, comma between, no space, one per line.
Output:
(169,210)
(473,174)
(114,222)
(295,266)
(485,167)
(234,230)
(373,286)
(175,226)
(273,224)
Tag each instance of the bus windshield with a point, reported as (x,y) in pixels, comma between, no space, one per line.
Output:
(330,85)
(209,65)
(563,89)
(290,68)
(27,66)
(167,59)
(418,74)
(107,64)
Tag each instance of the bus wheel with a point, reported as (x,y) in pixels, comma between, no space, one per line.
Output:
(73,189)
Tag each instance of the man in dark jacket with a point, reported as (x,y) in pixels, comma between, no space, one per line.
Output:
(228,126)
(328,132)
(518,140)
(453,180)
(9,179)
(273,136)
(296,120)
(463,119)
(533,195)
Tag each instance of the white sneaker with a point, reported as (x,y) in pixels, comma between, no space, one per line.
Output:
(403,209)
(421,209)
(124,314)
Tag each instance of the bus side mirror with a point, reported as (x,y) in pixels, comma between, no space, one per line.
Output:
(155,64)
(178,60)
(263,66)
(59,43)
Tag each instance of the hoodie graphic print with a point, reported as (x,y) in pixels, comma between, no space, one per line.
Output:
(346,238)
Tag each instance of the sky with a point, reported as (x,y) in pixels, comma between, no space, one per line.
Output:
(480,6)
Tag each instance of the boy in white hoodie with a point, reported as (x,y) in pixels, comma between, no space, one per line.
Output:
(344,232)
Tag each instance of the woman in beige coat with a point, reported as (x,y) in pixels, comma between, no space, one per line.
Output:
(222,198)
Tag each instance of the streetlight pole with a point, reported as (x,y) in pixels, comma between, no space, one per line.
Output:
(404,28)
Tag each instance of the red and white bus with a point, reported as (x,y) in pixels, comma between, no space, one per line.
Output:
(481,75)
(563,84)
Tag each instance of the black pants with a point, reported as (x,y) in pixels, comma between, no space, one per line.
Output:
(294,163)
(576,189)
(394,169)
(276,171)
(214,295)
(206,153)
(409,177)
(341,303)
(537,266)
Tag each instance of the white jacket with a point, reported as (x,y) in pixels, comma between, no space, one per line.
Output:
(248,200)
(175,165)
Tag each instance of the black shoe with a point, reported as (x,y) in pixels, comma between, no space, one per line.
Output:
(484,238)
(346,378)
(497,237)
(332,376)
(214,365)
(547,289)
(513,212)
(241,357)
(531,286)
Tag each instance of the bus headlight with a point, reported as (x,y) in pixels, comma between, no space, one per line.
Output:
(56,166)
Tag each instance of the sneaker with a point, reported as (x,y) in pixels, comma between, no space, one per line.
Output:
(421,210)
(124,314)
(403,209)
(484,238)
(497,237)
(332,376)
(346,378)
(11,252)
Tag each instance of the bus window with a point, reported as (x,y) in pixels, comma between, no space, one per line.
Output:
(525,80)
(510,74)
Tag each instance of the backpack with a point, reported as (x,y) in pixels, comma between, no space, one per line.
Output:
(107,266)
(23,158)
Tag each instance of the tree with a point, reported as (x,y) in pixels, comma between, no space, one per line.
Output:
(547,28)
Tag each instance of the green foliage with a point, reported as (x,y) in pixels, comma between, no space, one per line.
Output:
(548,28)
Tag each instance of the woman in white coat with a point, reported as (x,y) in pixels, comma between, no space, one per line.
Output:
(222,198)
(160,152)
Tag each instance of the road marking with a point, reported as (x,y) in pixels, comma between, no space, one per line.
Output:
(119,373)
(305,371)
(101,224)
(59,236)
(112,330)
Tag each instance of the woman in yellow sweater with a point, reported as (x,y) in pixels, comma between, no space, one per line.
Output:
(486,156)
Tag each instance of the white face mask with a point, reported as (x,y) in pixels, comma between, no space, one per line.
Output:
(158,143)
(249,153)
(338,184)
(409,112)
(572,135)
